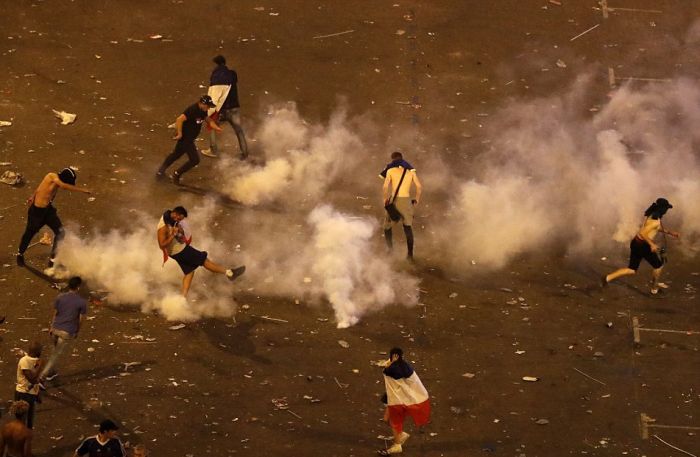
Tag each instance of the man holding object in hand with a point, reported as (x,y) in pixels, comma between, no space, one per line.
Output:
(399,176)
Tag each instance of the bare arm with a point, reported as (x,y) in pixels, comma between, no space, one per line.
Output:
(178,126)
(386,195)
(64,185)
(165,236)
(419,188)
(27,450)
(213,125)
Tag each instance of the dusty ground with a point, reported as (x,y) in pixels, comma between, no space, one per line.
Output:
(207,389)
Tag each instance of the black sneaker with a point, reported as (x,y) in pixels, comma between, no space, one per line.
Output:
(2,319)
(235,273)
(50,263)
(243,156)
(175,178)
(20,260)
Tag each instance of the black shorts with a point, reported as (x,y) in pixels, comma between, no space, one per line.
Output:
(641,250)
(190,259)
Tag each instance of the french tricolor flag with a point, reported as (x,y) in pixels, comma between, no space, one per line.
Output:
(406,395)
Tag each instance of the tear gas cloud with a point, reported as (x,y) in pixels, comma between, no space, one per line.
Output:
(554,175)
(127,264)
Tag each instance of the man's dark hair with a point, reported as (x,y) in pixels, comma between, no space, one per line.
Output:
(219,60)
(396,155)
(107,426)
(396,351)
(74,283)
(180,210)
(34,349)
(658,208)
(19,409)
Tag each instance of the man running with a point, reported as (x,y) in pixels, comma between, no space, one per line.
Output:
(175,243)
(188,125)
(41,211)
(398,176)
(15,436)
(643,246)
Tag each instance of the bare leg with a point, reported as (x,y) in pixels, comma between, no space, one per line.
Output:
(186,282)
(214,267)
(618,273)
(655,275)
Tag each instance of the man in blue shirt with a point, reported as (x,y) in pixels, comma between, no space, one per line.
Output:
(69,309)
(104,444)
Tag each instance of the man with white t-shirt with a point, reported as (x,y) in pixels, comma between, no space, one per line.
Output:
(27,387)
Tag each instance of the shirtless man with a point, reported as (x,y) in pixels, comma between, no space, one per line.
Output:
(15,437)
(643,246)
(41,211)
(392,177)
(175,243)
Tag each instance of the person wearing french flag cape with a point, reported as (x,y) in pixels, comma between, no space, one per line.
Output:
(406,396)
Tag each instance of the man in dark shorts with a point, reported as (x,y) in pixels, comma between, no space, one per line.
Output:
(643,246)
(41,211)
(188,125)
(104,444)
(15,436)
(175,243)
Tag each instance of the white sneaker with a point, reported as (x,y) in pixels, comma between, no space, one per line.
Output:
(208,153)
(395,449)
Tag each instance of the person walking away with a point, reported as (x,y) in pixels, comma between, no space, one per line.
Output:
(223,89)
(406,396)
(68,312)
(399,176)
(187,126)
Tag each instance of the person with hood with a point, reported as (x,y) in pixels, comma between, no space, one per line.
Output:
(223,89)
(41,211)
(174,241)
(643,246)
(405,396)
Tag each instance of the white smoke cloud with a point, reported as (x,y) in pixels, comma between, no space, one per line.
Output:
(555,175)
(128,265)
(301,160)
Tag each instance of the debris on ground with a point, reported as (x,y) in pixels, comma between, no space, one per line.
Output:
(5,123)
(66,118)
(344,343)
(12,178)
(177,327)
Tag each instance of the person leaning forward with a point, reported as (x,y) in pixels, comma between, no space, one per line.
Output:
(392,175)
(644,247)
(188,125)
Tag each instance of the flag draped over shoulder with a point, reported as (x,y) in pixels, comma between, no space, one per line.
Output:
(406,395)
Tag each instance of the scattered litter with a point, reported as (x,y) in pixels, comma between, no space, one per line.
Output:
(598,354)
(455,410)
(333,34)
(468,375)
(561,64)
(91,199)
(400,32)
(584,32)
(344,343)
(174,327)
(5,123)
(453,295)
(155,37)
(433,434)
(555,2)
(273,319)
(91,349)
(307,280)
(57,438)
(609,324)
(520,352)
(541,422)
(12,178)
(530,379)
(66,118)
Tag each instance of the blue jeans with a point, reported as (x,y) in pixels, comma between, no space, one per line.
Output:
(233,117)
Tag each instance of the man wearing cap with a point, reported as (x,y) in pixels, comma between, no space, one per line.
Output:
(223,89)
(41,211)
(104,444)
(188,125)
(643,246)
